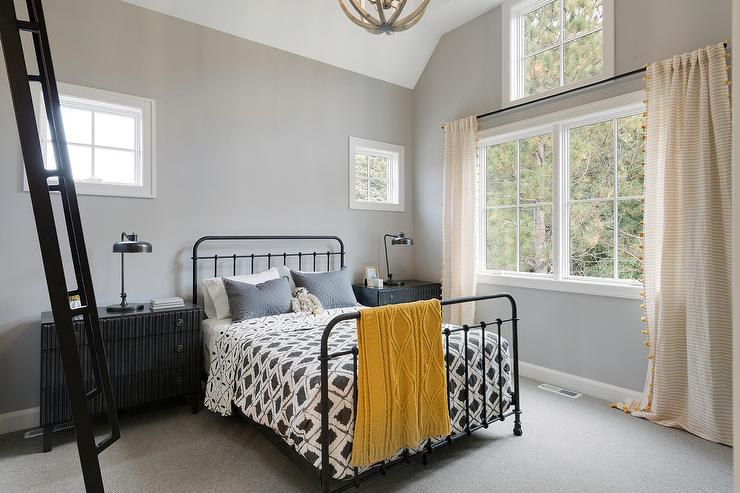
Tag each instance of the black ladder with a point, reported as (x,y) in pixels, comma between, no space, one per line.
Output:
(41,182)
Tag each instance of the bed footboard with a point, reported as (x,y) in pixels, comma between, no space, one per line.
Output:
(495,326)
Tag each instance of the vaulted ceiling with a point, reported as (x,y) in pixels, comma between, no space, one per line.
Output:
(318,29)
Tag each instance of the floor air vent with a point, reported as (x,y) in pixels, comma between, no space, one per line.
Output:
(40,431)
(557,390)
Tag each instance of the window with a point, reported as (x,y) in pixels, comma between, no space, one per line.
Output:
(556,44)
(562,197)
(109,139)
(605,161)
(375,175)
(519,204)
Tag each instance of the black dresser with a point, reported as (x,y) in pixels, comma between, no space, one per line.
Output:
(152,356)
(389,295)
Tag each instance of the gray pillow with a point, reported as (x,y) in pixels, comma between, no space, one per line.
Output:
(261,300)
(333,289)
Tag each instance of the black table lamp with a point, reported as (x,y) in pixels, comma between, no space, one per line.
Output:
(400,240)
(128,244)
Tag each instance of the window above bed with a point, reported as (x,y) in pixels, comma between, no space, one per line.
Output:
(554,45)
(375,175)
(110,139)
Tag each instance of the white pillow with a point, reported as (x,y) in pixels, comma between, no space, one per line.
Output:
(215,301)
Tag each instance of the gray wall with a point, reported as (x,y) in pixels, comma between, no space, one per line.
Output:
(250,139)
(590,336)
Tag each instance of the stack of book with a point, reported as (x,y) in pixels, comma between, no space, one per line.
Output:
(166,303)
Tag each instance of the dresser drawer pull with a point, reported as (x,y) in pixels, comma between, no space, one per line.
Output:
(178,348)
(178,322)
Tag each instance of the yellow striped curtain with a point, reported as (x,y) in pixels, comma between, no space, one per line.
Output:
(460,217)
(687,245)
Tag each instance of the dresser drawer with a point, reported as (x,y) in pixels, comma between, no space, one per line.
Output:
(407,295)
(128,390)
(128,356)
(129,327)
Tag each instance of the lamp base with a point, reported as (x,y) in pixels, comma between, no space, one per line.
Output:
(124,309)
(393,283)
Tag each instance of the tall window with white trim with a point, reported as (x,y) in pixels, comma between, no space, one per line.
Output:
(109,139)
(562,200)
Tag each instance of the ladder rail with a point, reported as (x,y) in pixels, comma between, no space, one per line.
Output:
(39,188)
(73,222)
(61,153)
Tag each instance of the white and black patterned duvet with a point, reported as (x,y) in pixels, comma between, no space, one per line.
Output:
(269,369)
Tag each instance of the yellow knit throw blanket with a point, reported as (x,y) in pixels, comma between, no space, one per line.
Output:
(401,380)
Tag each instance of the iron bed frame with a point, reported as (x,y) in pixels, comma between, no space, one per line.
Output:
(324,475)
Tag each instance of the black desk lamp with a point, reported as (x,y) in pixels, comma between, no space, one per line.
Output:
(128,244)
(399,239)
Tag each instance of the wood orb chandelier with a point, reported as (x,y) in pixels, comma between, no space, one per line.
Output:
(383,16)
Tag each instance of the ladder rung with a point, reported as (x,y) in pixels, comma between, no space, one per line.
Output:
(75,292)
(55,187)
(80,310)
(107,442)
(34,78)
(28,26)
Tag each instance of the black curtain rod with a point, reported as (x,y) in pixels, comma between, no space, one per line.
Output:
(565,93)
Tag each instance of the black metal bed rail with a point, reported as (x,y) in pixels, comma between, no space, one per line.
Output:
(326,356)
(302,257)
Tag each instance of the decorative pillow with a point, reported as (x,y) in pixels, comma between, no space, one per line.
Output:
(260,300)
(215,301)
(333,289)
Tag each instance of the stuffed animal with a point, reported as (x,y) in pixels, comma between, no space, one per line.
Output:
(303,301)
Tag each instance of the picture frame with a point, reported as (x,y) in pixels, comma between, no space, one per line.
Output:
(371,275)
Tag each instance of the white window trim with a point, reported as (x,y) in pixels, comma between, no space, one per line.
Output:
(510,10)
(557,123)
(395,153)
(147,149)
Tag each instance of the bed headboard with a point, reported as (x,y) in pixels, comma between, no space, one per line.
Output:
(233,262)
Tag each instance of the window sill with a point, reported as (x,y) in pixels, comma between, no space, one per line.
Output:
(595,288)
(359,205)
(107,190)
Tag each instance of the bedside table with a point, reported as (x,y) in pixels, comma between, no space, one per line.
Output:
(152,355)
(389,295)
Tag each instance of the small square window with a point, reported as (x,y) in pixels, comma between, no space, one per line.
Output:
(110,141)
(552,45)
(376,175)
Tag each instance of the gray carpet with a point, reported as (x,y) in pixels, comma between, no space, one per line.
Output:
(568,446)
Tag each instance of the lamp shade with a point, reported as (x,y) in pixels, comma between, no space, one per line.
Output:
(402,239)
(131,244)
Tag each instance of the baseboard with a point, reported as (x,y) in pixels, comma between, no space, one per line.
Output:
(22,419)
(586,386)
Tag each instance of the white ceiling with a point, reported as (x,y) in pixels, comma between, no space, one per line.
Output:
(319,30)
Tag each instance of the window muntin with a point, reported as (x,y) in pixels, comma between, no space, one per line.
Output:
(555,43)
(585,228)
(376,175)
